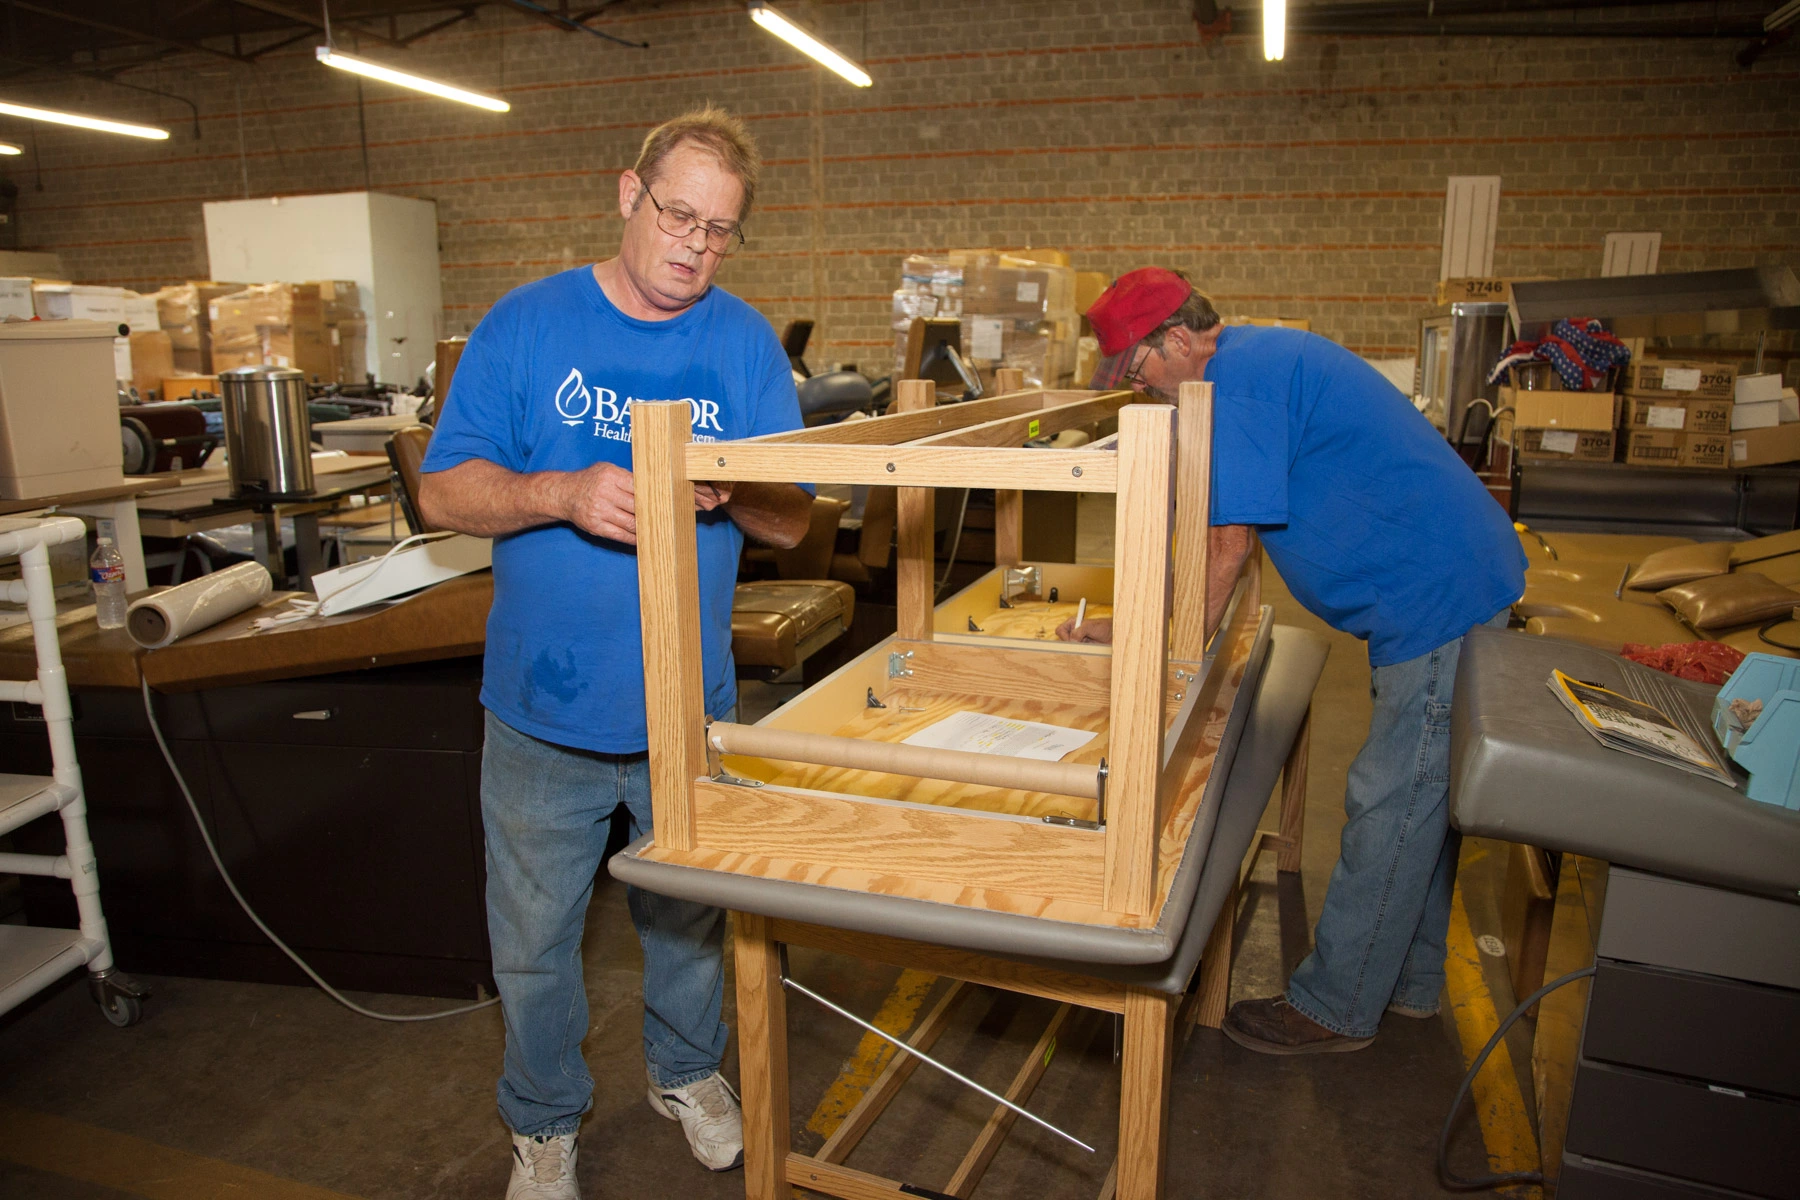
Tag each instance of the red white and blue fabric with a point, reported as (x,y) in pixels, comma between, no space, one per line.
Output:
(1580,350)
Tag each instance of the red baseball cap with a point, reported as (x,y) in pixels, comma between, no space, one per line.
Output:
(1127,312)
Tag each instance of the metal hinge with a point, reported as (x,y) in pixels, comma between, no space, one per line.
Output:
(897,663)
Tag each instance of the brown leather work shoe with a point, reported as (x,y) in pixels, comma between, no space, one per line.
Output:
(1274,1026)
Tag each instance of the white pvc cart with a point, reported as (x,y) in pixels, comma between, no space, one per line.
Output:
(32,958)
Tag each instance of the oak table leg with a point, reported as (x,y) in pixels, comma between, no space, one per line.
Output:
(762,1058)
(1144,1093)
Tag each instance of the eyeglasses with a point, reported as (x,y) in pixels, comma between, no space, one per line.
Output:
(1134,378)
(680,223)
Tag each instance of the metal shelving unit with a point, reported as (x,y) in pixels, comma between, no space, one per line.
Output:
(31,959)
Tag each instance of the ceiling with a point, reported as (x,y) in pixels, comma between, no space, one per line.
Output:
(110,38)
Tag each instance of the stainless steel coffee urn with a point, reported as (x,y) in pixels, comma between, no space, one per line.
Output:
(268,434)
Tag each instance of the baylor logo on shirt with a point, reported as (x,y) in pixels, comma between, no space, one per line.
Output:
(578,404)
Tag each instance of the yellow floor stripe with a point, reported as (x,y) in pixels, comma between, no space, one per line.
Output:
(1499,1105)
(871,1055)
(76,1150)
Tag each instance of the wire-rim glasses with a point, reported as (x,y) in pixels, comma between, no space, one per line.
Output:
(680,223)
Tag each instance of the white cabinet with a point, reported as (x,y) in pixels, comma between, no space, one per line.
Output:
(387,244)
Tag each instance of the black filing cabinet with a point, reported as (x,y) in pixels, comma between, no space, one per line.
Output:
(1688,1083)
(347,807)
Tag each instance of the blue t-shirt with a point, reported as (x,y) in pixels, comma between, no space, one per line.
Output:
(546,384)
(1376,525)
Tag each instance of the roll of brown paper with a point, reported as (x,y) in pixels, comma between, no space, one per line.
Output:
(989,770)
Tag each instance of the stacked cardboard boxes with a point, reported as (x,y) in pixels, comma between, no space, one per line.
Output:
(1015,311)
(273,324)
(1765,422)
(1678,413)
(1563,426)
(346,330)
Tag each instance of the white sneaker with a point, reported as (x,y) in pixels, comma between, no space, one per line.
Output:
(709,1115)
(543,1168)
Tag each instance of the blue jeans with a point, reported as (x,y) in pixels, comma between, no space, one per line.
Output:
(1381,935)
(546,810)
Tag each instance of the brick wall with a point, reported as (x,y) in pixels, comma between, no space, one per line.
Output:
(1311,187)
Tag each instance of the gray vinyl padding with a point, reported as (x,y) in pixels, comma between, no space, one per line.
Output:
(1285,667)
(1522,769)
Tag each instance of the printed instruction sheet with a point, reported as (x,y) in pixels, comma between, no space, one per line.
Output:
(980,733)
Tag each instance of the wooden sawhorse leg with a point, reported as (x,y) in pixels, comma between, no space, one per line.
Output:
(762,1058)
(1293,798)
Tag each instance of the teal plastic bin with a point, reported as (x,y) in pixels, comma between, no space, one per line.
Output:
(1769,748)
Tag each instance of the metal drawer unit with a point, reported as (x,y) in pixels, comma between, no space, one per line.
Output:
(1688,1084)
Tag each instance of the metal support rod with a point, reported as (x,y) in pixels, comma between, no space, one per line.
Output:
(557,19)
(996,1097)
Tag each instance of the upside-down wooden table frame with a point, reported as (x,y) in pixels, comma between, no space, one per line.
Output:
(806,797)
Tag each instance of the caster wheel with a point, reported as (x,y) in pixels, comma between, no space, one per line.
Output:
(122,1011)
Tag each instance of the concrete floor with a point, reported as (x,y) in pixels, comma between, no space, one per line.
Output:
(275,1092)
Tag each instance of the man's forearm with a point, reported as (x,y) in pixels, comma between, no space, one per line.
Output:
(1230,546)
(775,514)
(485,499)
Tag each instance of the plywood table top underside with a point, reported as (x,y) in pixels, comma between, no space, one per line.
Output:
(1036,620)
(1185,794)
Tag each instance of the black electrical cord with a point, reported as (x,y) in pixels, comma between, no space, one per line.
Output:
(1763,635)
(1452,1181)
(231,884)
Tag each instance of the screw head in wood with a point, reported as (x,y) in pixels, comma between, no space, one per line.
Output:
(890,468)
(1075,471)
(721,462)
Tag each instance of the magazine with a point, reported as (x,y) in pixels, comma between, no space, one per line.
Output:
(1637,728)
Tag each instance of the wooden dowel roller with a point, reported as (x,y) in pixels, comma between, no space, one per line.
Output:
(894,758)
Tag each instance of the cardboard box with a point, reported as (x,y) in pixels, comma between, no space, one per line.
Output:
(1755,414)
(350,350)
(180,387)
(283,323)
(1567,445)
(152,361)
(54,300)
(1761,447)
(1753,388)
(205,292)
(341,299)
(141,313)
(1491,290)
(15,299)
(1088,286)
(178,313)
(1542,409)
(1655,448)
(187,361)
(1678,416)
(1681,379)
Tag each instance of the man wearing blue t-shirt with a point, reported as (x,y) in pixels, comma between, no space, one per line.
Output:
(1380,530)
(533,449)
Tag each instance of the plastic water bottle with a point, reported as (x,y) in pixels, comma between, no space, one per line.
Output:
(107,571)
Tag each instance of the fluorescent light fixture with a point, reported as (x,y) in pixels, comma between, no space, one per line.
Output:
(772,20)
(1274,29)
(81,122)
(418,83)
(9,148)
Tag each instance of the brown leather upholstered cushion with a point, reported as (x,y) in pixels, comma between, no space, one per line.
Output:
(770,619)
(1727,601)
(1678,564)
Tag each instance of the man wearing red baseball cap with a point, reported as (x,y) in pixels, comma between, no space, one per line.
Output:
(1380,530)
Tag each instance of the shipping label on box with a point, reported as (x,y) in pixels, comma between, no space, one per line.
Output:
(1534,409)
(1652,448)
(1761,447)
(1566,445)
(1682,379)
(1679,416)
